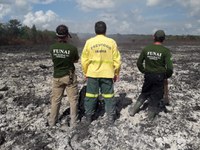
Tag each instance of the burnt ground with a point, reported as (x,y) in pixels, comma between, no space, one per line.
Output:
(25,90)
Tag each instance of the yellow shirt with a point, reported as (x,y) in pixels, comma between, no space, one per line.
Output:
(100,57)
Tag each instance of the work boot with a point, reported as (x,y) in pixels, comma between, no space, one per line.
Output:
(162,106)
(134,109)
(152,112)
(73,124)
(151,115)
(166,101)
(110,120)
(88,119)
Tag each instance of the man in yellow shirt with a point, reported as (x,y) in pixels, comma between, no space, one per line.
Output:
(101,63)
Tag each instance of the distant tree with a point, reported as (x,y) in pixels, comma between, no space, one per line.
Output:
(2,34)
(14,33)
(34,34)
(14,27)
(2,29)
(48,36)
(25,33)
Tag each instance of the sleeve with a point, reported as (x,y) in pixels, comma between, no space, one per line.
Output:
(76,56)
(140,62)
(85,59)
(116,59)
(51,51)
(169,65)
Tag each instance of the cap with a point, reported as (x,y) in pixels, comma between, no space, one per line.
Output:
(62,31)
(159,34)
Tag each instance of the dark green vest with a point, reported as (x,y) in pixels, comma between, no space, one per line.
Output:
(63,56)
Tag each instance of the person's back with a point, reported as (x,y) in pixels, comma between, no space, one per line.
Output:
(101,51)
(64,55)
(156,64)
(101,63)
(157,60)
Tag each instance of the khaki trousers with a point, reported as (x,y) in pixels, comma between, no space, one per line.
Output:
(68,83)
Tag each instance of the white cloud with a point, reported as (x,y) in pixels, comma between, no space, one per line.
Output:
(21,3)
(127,16)
(137,15)
(42,1)
(6,2)
(107,17)
(192,5)
(4,9)
(17,8)
(42,20)
(117,22)
(14,9)
(88,5)
(198,31)
(95,4)
(124,26)
(153,2)
(188,25)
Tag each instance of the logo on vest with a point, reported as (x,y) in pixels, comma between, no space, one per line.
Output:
(61,53)
(154,55)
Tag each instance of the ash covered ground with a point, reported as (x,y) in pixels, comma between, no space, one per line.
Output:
(25,91)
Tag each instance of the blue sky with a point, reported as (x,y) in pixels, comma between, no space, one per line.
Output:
(121,16)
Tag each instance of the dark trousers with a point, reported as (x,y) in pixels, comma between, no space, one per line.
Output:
(153,89)
(105,87)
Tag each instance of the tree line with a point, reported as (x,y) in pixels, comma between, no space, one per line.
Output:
(14,33)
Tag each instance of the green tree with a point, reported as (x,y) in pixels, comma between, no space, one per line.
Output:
(14,27)
(25,33)
(34,34)
(3,34)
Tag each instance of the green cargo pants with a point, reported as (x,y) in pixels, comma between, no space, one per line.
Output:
(105,87)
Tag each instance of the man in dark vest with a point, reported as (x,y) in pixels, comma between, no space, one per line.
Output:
(64,55)
(158,67)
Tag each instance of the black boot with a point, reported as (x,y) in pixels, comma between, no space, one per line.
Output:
(110,120)
(88,119)
(162,106)
(152,112)
(134,109)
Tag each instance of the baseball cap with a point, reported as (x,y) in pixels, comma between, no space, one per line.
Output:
(159,34)
(62,31)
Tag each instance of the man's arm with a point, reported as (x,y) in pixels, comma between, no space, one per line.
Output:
(76,58)
(169,65)
(85,59)
(116,60)
(140,62)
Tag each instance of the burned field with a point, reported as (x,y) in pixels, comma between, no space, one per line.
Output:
(25,90)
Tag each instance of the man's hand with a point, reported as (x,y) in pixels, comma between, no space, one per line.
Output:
(85,79)
(116,78)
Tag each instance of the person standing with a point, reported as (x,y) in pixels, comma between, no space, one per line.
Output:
(101,61)
(64,55)
(158,67)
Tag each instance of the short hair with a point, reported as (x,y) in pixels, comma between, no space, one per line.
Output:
(100,27)
(159,36)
